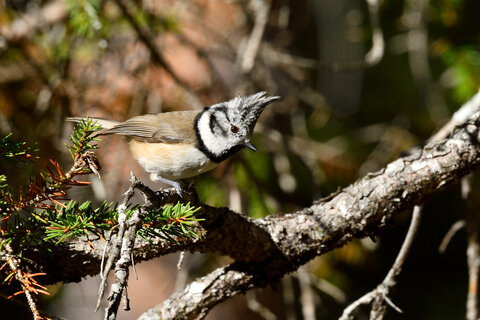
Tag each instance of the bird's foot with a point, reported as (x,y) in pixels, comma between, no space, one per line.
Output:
(175,184)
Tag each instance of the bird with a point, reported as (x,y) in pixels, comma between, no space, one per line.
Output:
(176,145)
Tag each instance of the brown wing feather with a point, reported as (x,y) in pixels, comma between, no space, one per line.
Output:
(168,127)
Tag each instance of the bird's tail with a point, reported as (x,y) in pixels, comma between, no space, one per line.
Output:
(105,123)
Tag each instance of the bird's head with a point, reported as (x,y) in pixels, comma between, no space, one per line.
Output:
(226,127)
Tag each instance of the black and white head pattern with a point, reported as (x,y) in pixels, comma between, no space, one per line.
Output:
(224,128)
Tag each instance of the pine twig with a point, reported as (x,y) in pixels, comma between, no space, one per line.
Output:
(14,266)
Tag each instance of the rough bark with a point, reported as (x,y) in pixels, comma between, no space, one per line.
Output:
(266,249)
(359,210)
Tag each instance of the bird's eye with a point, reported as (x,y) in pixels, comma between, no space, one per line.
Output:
(234,129)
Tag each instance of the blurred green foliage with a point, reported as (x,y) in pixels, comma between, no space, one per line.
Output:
(84,17)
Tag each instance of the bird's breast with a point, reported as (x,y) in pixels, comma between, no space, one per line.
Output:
(171,161)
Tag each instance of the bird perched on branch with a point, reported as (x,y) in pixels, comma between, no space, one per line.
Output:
(182,144)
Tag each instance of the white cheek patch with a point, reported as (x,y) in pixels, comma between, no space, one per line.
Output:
(216,144)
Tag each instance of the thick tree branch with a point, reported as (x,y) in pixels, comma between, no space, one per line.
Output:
(379,297)
(266,249)
(359,210)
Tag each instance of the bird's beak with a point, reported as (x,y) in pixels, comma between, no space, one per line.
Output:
(250,146)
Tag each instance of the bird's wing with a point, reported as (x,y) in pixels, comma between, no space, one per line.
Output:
(169,127)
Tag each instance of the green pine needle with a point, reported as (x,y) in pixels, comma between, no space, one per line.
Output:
(83,137)
(16,151)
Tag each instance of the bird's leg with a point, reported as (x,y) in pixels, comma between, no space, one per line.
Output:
(172,183)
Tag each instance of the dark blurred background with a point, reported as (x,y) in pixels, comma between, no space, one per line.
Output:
(361,81)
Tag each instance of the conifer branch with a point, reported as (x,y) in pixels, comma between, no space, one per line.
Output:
(43,216)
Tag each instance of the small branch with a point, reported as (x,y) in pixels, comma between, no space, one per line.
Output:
(406,246)
(180,261)
(26,26)
(206,56)
(372,57)
(146,36)
(115,248)
(122,249)
(449,235)
(257,307)
(14,265)
(118,289)
(261,9)
(277,56)
(375,54)
(473,249)
(307,298)
(378,297)
(417,48)
(13,73)
(329,289)
(459,117)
